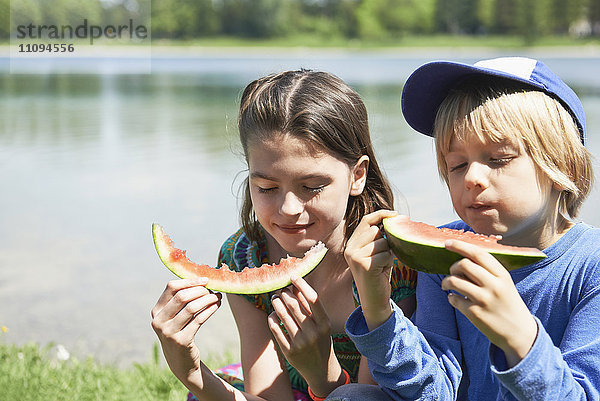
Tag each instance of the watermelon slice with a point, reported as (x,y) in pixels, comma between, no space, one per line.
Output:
(421,246)
(256,280)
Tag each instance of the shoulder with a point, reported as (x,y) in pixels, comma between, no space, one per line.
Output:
(582,241)
(587,246)
(577,253)
(588,233)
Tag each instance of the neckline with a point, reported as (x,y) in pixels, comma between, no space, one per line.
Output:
(557,249)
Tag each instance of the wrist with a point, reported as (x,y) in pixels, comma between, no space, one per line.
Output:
(517,349)
(344,379)
(194,380)
(373,291)
(377,314)
(328,380)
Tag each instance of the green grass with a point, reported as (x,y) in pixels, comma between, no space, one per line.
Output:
(30,372)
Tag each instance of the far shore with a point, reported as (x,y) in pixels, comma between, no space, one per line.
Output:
(279,49)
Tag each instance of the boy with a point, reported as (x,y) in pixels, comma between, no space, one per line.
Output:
(510,139)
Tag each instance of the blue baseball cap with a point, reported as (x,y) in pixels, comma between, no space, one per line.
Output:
(429,85)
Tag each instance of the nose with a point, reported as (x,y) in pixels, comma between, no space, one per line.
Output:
(291,205)
(476,176)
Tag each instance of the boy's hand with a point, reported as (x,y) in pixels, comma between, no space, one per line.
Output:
(488,297)
(370,260)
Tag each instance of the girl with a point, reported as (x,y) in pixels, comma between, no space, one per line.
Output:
(312,177)
(510,139)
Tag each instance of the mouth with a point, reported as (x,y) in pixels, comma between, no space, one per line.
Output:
(479,207)
(293,228)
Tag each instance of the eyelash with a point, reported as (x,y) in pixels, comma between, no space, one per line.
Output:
(308,189)
(315,189)
(501,160)
(498,162)
(457,167)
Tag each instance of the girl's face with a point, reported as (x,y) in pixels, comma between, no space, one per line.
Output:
(299,195)
(496,189)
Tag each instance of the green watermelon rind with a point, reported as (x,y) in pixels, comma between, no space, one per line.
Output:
(237,282)
(435,259)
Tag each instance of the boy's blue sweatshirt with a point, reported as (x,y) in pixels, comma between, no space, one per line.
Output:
(442,356)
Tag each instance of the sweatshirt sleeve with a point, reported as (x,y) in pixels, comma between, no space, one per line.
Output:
(567,372)
(411,363)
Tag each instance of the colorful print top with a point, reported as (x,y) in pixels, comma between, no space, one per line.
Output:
(238,252)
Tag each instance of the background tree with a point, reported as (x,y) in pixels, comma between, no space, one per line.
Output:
(593,12)
(386,20)
(184,19)
(457,16)
(505,20)
(252,18)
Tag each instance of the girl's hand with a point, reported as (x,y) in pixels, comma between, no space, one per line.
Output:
(180,311)
(370,259)
(488,297)
(302,329)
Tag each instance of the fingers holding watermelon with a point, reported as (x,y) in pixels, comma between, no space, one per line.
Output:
(310,300)
(479,256)
(183,300)
(172,288)
(370,259)
(290,322)
(483,290)
(299,316)
(302,329)
(181,309)
(294,306)
(367,251)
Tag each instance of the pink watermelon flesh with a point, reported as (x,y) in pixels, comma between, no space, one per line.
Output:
(421,247)
(256,280)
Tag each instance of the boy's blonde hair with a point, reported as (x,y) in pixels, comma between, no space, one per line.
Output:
(493,110)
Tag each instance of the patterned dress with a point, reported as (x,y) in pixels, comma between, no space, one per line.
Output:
(239,252)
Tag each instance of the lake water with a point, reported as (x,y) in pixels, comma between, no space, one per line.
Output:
(89,160)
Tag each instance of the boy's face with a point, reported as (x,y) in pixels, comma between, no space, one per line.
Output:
(496,189)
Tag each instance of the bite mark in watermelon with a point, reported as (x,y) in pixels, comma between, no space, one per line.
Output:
(421,247)
(255,280)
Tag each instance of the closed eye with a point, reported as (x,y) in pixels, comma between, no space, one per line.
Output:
(314,189)
(501,161)
(265,190)
(456,167)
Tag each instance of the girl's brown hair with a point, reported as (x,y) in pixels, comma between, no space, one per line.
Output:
(322,110)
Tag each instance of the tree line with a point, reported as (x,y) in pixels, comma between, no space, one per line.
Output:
(350,19)
(374,19)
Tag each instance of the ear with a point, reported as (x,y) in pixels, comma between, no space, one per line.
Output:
(359,176)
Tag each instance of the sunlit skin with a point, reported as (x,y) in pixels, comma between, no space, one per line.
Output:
(299,195)
(495,188)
